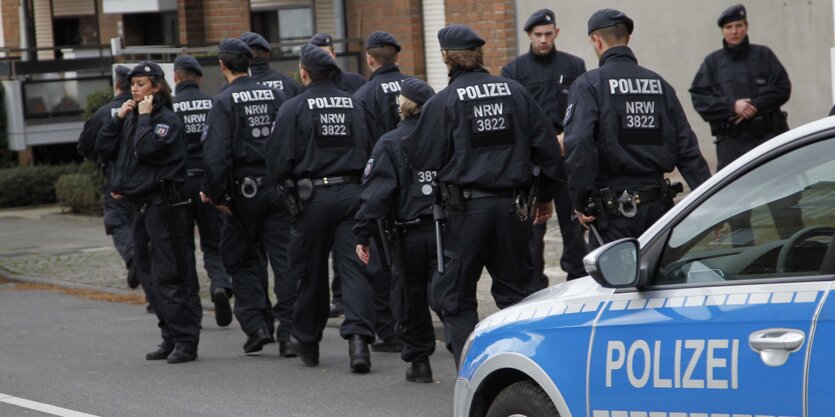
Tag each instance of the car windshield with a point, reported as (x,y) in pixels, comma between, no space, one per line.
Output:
(775,220)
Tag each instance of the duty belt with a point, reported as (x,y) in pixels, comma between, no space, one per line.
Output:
(194,172)
(642,196)
(335,180)
(248,186)
(420,223)
(473,193)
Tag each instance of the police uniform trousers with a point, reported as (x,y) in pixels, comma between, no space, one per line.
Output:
(573,242)
(167,273)
(416,265)
(245,253)
(381,283)
(209,222)
(787,218)
(619,227)
(118,223)
(326,223)
(487,232)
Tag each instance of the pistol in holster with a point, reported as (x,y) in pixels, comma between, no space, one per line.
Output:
(290,194)
(452,196)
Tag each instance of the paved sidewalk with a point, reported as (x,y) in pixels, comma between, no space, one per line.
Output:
(44,245)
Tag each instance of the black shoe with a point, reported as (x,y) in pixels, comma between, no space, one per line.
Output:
(359,354)
(387,345)
(307,352)
(256,341)
(182,354)
(336,309)
(419,372)
(163,350)
(133,277)
(223,311)
(285,349)
(148,308)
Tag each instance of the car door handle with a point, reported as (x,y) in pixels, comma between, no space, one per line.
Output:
(775,345)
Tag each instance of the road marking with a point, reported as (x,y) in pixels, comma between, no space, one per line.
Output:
(44,408)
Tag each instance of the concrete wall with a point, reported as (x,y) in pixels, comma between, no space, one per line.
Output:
(673,37)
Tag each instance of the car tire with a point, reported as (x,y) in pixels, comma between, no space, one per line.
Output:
(522,399)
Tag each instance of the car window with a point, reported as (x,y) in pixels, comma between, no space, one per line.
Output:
(774,221)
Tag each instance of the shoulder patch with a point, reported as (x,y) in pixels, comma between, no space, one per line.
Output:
(368,166)
(568,114)
(162,130)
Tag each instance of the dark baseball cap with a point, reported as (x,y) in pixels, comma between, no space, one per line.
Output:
(314,58)
(609,17)
(321,39)
(380,39)
(146,69)
(121,72)
(540,17)
(234,46)
(253,39)
(459,37)
(732,14)
(188,63)
(416,90)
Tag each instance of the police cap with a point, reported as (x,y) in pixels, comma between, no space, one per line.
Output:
(234,46)
(416,90)
(321,39)
(254,40)
(459,37)
(316,59)
(121,72)
(732,14)
(540,17)
(146,69)
(609,17)
(380,39)
(188,63)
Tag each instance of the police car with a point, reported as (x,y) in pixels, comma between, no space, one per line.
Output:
(721,309)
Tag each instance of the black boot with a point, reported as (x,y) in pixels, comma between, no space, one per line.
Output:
(182,354)
(419,371)
(285,349)
(308,352)
(133,278)
(256,341)
(390,345)
(223,311)
(359,354)
(163,350)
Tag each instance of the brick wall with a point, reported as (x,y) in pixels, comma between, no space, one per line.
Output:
(495,21)
(224,19)
(401,18)
(11,24)
(108,25)
(191,18)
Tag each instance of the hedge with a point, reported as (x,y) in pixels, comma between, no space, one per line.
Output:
(80,192)
(31,185)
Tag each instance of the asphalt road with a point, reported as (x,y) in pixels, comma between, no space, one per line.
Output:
(87,357)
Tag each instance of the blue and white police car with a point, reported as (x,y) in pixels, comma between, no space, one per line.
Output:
(721,309)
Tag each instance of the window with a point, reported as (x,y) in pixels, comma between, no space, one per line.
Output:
(285,24)
(774,221)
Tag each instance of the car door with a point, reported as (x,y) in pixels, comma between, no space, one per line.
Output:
(735,281)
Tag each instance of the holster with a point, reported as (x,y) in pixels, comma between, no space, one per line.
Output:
(289,196)
(452,196)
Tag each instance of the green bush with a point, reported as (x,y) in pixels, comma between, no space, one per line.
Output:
(97,99)
(80,192)
(32,185)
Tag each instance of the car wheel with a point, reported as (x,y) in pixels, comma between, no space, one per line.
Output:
(522,399)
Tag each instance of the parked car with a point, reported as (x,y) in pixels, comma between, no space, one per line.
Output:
(722,308)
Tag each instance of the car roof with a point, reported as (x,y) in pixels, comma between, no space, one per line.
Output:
(818,126)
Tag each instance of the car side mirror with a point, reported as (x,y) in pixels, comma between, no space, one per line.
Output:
(616,264)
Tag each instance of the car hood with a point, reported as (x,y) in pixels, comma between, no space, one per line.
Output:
(575,296)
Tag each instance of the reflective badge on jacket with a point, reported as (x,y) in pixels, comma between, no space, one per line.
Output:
(162,130)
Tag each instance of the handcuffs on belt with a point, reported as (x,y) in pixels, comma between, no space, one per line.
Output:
(249,187)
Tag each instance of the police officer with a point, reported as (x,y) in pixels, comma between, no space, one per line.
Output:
(624,128)
(378,98)
(260,66)
(192,106)
(118,214)
(401,195)
(483,135)
(739,90)
(349,82)
(149,171)
(235,181)
(547,74)
(320,144)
